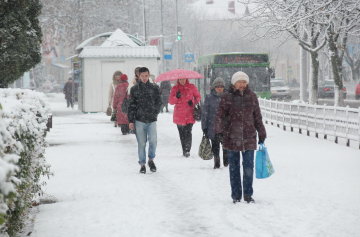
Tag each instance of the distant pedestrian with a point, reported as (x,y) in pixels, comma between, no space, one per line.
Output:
(238,122)
(209,110)
(135,80)
(69,91)
(144,107)
(114,83)
(165,87)
(184,96)
(119,96)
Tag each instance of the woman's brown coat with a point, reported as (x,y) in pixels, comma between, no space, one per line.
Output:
(239,120)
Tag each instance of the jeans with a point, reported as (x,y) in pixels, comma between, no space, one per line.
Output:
(248,173)
(185,136)
(145,132)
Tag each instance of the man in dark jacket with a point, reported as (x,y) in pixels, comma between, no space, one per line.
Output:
(69,91)
(144,107)
(238,121)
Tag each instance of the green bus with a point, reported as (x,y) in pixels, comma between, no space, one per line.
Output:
(224,65)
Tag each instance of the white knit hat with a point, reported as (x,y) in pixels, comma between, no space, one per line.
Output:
(239,76)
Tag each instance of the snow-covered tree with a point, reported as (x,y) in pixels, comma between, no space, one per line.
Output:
(299,19)
(20,38)
(342,19)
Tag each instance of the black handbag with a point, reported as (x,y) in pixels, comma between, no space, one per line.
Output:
(108,111)
(197,112)
(125,106)
(113,116)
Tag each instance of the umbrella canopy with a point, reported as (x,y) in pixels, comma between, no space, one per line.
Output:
(176,74)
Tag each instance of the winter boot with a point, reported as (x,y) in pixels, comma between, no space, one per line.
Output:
(225,159)
(187,154)
(236,200)
(249,199)
(226,162)
(152,165)
(143,169)
(216,162)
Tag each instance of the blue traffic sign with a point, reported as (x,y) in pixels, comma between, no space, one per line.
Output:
(167,56)
(189,57)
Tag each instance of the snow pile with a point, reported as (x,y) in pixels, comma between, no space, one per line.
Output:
(23,122)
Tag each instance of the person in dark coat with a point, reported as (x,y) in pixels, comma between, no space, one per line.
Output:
(69,91)
(184,96)
(144,107)
(209,110)
(119,96)
(135,80)
(238,123)
(165,87)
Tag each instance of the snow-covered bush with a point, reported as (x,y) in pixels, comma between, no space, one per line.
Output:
(7,172)
(22,147)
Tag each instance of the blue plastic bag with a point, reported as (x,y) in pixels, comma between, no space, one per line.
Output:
(263,165)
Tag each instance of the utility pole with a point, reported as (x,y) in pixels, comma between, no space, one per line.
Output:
(80,21)
(178,42)
(144,21)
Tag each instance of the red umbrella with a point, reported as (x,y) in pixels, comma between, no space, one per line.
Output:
(176,74)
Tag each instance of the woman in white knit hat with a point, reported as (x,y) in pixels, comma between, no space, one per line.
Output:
(238,123)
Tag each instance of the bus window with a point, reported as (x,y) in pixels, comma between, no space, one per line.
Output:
(225,65)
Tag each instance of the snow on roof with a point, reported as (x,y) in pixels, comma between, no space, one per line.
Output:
(219,10)
(87,41)
(120,52)
(118,38)
(60,65)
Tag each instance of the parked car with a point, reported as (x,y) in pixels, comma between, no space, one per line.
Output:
(326,89)
(357,91)
(279,90)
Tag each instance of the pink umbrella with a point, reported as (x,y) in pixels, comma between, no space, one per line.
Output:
(176,74)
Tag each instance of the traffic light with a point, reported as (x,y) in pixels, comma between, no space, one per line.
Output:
(179,33)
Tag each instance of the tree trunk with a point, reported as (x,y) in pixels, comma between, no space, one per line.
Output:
(314,78)
(354,72)
(303,73)
(336,65)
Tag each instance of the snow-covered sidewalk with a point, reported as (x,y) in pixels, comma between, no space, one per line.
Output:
(315,190)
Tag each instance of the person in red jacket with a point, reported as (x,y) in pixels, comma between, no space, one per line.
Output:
(184,96)
(119,96)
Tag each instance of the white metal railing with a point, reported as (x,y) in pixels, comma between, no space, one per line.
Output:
(337,122)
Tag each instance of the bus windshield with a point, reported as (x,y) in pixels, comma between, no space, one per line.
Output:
(257,76)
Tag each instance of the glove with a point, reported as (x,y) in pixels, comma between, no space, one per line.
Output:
(219,137)
(261,141)
(178,94)
(205,130)
(190,103)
